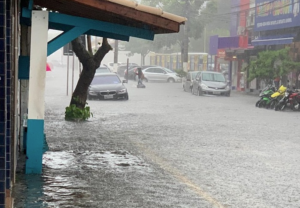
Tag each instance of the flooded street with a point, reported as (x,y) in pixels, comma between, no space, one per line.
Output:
(165,148)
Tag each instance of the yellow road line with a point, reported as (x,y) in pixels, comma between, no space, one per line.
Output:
(174,172)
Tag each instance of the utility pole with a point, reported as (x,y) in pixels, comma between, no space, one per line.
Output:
(186,37)
(116,56)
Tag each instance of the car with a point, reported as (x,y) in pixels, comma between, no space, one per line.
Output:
(107,86)
(123,67)
(110,65)
(102,69)
(157,73)
(187,81)
(213,83)
(133,70)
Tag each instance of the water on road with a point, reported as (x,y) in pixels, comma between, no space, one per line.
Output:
(166,148)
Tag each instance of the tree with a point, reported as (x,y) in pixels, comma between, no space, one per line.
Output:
(192,29)
(90,63)
(271,64)
(140,46)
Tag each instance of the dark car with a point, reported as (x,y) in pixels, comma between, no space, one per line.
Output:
(121,68)
(107,86)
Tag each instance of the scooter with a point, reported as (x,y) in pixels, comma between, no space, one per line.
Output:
(295,101)
(286,101)
(265,96)
(276,96)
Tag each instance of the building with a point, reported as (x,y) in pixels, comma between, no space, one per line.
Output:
(24,48)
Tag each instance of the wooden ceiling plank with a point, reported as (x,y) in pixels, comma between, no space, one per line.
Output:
(159,24)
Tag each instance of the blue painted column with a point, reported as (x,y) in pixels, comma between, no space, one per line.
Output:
(8,94)
(36,98)
(3,107)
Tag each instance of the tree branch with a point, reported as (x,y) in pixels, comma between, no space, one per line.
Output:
(80,51)
(103,50)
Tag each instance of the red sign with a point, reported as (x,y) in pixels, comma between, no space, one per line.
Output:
(221,53)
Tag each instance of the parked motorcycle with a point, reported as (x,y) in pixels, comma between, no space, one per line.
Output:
(265,96)
(276,97)
(295,101)
(288,101)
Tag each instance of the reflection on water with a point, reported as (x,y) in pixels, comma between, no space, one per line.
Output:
(66,176)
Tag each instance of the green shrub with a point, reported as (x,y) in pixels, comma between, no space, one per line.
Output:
(180,72)
(74,113)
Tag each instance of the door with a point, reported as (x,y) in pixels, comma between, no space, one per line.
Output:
(160,74)
(149,74)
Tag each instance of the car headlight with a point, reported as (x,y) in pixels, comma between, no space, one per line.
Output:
(227,87)
(204,86)
(122,91)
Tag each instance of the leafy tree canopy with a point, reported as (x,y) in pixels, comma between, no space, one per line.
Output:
(271,64)
(187,8)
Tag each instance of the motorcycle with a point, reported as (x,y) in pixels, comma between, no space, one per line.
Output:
(287,101)
(265,96)
(295,101)
(276,97)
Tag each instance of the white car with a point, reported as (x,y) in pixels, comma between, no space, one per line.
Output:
(157,73)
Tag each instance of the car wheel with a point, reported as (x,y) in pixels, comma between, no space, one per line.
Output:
(192,90)
(171,80)
(228,94)
(200,92)
(126,97)
(184,88)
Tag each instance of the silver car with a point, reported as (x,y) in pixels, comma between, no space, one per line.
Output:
(107,86)
(187,81)
(102,69)
(157,73)
(213,83)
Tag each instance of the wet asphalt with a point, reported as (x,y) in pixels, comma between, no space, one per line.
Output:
(165,148)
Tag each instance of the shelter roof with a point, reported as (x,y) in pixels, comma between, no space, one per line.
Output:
(122,12)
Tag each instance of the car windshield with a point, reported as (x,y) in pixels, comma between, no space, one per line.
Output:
(107,79)
(102,70)
(213,77)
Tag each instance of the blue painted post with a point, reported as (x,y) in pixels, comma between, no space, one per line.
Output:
(36,98)
(64,39)
(3,109)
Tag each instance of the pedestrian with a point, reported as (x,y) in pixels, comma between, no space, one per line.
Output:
(276,82)
(140,76)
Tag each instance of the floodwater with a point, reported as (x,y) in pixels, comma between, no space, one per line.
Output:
(165,148)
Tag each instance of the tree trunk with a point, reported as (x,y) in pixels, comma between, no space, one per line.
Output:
(90,63)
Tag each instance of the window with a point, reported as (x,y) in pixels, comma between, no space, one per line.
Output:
(213,77)
(108,79)
(158,70)
(150,70)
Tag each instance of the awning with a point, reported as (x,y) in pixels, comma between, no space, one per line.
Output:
(272,41)
(121,12)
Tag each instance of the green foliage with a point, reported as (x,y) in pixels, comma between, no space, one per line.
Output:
(180,72)
(74,113)
(271,64)
(196,23)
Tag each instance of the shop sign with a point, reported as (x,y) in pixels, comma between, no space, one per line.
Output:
(221,53)
(276,14)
